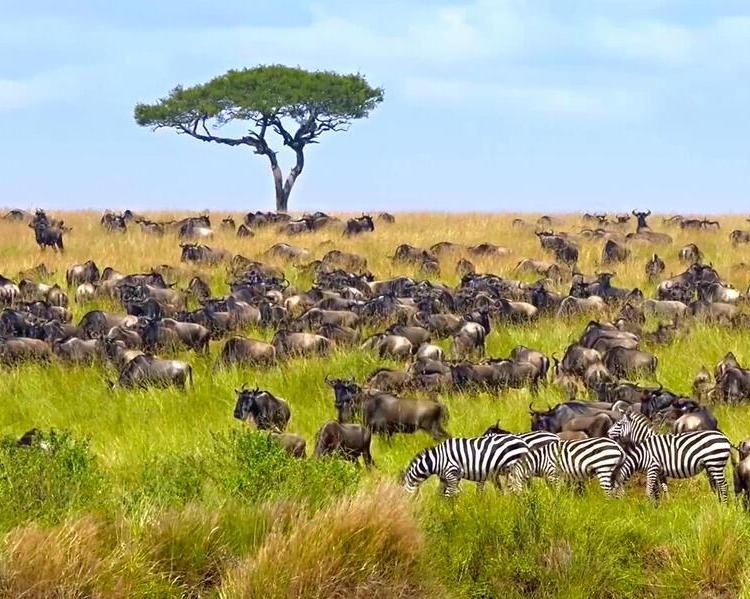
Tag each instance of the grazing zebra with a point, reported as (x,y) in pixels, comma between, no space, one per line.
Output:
(477,459)
(670,456)
(573,461)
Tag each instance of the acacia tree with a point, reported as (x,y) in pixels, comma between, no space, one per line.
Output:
(295,104)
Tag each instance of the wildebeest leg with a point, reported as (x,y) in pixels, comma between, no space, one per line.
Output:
(438,432)
(367,457)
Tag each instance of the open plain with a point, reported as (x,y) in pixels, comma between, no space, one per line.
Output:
(162,492)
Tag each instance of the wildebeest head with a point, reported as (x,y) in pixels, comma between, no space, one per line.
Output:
(191,252)
(246,405)
(541,420)
(345,392)
(642,216)
(496,430)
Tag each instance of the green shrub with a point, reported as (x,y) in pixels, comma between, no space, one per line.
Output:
(252,465)
(172,480)
(48,479)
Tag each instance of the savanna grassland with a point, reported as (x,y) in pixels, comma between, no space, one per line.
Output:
(163,493)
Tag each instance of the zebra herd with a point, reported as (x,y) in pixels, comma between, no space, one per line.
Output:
(632,446)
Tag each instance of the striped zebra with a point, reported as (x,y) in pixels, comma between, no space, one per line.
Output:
(670,456)
(571,461)
(477,459)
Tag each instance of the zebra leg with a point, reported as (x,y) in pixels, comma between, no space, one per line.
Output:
(718,482)
(605,481)
(653,483)
(449,482)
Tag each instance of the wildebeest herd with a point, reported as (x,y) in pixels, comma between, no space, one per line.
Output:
(610,427)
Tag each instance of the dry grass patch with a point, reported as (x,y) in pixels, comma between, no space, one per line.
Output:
(364,546)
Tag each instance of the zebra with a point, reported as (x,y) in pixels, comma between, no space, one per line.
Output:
(476,459)
(670,456)
(573,461)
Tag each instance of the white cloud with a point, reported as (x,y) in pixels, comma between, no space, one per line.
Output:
(509,51)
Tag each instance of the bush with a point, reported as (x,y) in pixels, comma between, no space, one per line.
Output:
(172,480)
(254,466)
(46,480)
(364,546)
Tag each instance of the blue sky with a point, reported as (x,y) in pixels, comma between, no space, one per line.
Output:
(546,105)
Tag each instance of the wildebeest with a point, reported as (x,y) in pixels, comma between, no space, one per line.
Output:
(468,340)
(9,291)
(243,231)
(429,351)
(713,311)
(410,254)
(48,236)
(348,440)
(387,379)
(199,288)
(654,267)
(387,414)
(554,419)
(23,349)
(393,346)
(244,351)
(355,226)
(464,267)
(88,272)
(665,308)
(344,260)
(701,384)
(739,237)
(146,370)
(193,252)
(294,445)
(580,305)
(624,362)
(614,252)
(285,251)
(690,253)
(644,232)
(289,343)
(742,474)
(114,223)
(267,411)
(77,351)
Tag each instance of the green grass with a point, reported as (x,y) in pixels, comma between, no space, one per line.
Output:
(163,493)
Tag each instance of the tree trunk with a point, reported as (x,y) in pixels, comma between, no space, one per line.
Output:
(282,201)
(283,189)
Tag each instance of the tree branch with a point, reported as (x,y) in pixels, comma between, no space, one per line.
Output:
(248,140)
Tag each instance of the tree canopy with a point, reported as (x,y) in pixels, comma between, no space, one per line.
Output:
(295,104)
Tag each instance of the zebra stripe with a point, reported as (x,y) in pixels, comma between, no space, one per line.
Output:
(573,461)
(671,456)
(476,459)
